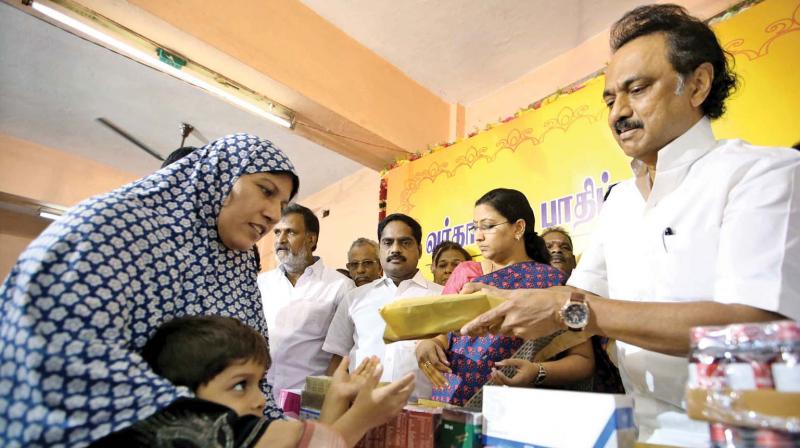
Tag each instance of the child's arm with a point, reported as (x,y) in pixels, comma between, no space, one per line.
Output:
(345,387)
(300,434)
(577,365)
(374,406)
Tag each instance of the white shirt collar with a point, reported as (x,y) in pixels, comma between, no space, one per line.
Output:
(418,279)
(676,155)
(315,268)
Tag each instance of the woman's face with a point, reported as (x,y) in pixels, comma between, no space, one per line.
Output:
(251,209)
(494,235)
(447,262)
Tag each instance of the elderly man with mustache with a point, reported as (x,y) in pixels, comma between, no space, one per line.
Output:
(300,297)
(705,233)
(357,328)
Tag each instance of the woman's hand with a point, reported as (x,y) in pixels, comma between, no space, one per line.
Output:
(526,373)
(432,361)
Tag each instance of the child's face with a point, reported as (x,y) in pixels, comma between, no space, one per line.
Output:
(237,387)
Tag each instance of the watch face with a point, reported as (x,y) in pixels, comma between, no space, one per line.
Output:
(576,315)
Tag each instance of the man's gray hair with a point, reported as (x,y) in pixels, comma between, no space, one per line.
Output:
(365,242)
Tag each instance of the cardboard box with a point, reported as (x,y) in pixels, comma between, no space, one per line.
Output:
(309,414)
(318,384)
(735,408)
(422,425)
(514,417)
(460,428)
(290,402)
(311,400)
(397,431)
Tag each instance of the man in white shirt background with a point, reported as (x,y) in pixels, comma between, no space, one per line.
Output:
(704,234)
(357,328)
(300,297)
(363,262)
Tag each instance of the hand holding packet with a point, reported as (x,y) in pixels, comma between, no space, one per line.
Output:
(426,317)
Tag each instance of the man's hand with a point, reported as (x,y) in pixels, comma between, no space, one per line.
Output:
(528,313)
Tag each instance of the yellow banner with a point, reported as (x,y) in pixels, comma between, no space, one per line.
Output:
(562,154)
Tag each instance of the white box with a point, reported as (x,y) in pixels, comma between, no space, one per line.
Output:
(521,417)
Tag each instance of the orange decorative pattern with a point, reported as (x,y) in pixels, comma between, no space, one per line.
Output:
(565,118)
(776,30)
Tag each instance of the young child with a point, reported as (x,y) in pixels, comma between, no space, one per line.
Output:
(223,362)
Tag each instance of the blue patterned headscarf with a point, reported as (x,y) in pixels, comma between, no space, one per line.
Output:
(86,294)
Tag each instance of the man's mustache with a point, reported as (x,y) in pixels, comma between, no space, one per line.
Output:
(626,124)
(395,257)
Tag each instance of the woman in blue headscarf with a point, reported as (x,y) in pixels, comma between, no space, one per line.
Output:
(85,296)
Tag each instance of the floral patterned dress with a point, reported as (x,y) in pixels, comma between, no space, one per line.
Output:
(472,359)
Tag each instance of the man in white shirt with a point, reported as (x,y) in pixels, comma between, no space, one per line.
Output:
(300,297)
(704,234)
(363,261)
(357,328)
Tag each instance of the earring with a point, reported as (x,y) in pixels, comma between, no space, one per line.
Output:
(517,237)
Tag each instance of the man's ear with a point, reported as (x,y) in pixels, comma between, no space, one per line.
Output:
(312,240)
(700,84)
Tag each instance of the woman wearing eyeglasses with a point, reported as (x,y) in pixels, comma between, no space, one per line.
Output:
(514,257)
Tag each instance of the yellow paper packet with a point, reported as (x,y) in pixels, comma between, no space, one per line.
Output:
(426,317)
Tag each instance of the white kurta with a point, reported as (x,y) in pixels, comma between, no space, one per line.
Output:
(721,224)
(357,328)
(298,318)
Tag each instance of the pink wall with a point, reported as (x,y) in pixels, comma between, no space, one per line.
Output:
(44,175)
(565,69)
(353,206)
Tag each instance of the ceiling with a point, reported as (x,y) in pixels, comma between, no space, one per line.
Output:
(462,50)
(55,85)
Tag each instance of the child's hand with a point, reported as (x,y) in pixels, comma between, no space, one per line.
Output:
(346,386)
(376,405)
(526,373)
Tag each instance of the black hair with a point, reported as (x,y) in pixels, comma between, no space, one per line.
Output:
(513,205)
(191,350)
(416,229)
(444,246)
(178,154)
(295,181)
(560,230)
(691,43)
(310,220)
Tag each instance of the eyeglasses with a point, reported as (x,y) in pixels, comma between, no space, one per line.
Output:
(367,264)
(485,228)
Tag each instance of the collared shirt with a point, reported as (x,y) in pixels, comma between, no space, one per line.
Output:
(297,318)
(719,223)
(357,328)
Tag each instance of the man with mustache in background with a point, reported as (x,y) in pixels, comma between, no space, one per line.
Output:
(300,297)
(705,233)
(357,328)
